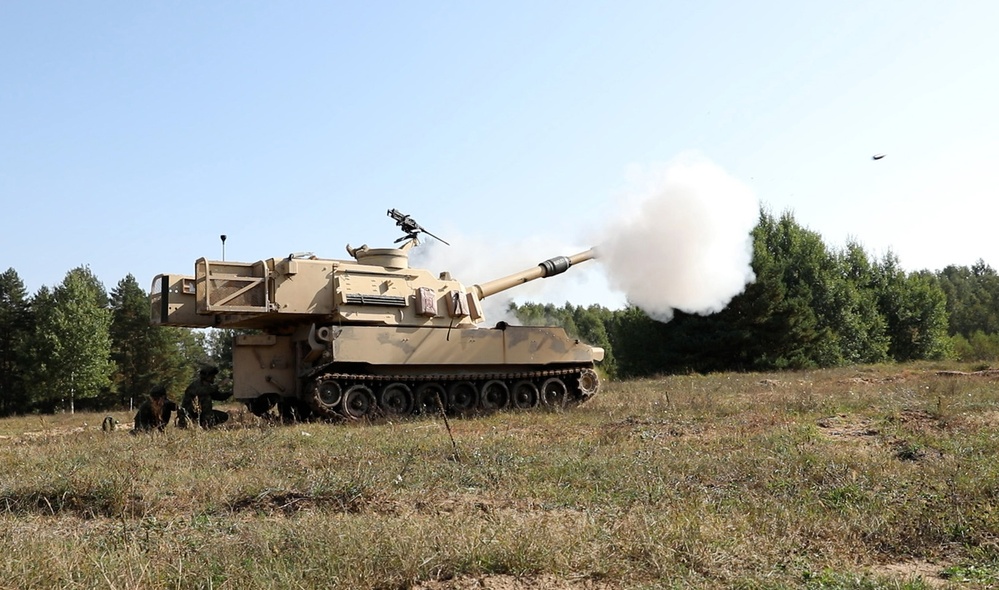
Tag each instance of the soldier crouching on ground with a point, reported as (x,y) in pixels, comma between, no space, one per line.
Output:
(196,407)
(154,412)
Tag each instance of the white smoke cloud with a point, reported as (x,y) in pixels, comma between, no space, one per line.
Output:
(682,240)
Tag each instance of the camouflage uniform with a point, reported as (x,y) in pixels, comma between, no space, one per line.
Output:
(154,412)
(197,403)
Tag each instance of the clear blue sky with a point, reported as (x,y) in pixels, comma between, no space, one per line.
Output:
(133,134)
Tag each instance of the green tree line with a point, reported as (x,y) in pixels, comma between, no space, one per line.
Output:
(810,306)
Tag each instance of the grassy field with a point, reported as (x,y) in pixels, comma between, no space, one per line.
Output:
(867,477)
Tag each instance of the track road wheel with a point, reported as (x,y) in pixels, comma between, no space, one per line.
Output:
(358,402)
(524,395)
(462,397)
(554,393)
(396,399)
(326,397)
(589,384)
(495,395)
(430,397)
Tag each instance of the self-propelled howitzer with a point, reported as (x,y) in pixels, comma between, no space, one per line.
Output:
(369,336)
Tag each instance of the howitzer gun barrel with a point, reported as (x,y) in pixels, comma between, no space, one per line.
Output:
(548,268)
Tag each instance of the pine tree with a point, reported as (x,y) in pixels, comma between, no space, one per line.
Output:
(15,329)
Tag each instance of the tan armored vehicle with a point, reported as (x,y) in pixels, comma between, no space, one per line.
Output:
(372,336)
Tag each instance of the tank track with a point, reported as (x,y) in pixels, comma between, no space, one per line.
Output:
(353,396)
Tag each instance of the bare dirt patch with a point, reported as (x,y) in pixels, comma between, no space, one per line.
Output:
(43,433)
(873,380)
(508,582)
(993,373)
(843,425)
(928,573)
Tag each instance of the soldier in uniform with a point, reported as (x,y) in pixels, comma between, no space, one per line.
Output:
(196,406)
(154,412)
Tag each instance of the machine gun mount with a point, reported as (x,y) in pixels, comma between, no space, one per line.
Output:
(410,227)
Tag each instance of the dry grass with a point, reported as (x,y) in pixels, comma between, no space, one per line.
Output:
(870,477)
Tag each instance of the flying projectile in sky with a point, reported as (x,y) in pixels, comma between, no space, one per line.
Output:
(878,156)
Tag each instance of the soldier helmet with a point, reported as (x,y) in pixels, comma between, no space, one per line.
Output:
(209,371)
(158,391)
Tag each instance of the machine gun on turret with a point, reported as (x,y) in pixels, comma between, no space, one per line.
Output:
(410,227)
